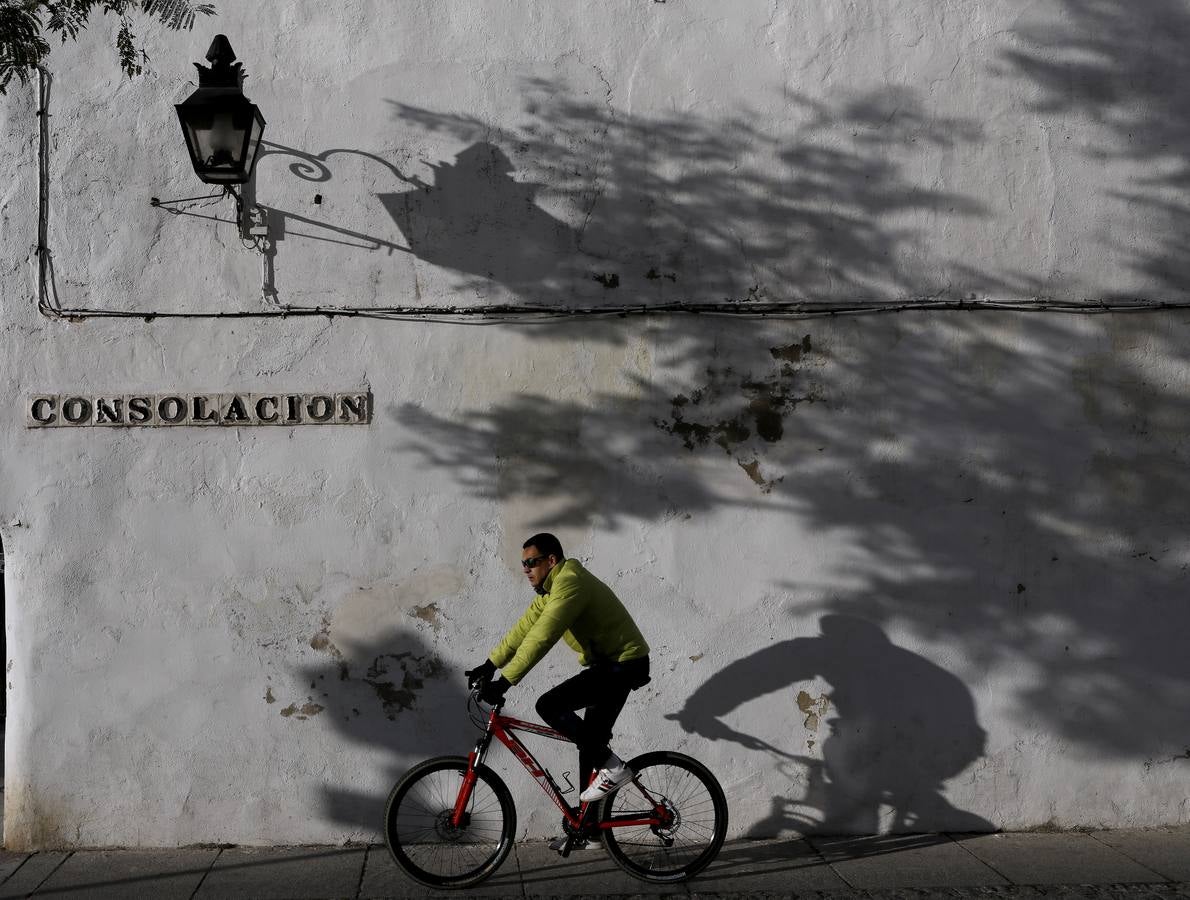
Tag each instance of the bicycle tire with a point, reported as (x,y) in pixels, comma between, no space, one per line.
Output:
(691,792)
(420,837)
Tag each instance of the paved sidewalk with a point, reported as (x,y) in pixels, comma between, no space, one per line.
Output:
(1109,864)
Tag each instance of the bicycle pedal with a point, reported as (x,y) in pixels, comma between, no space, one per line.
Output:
(562,845)
(568,844)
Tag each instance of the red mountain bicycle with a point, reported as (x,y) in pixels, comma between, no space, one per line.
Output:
(450,821)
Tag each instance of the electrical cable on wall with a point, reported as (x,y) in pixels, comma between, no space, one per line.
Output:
(522,313)
(44,261)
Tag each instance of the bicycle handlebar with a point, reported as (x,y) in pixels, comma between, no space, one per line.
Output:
(476,694)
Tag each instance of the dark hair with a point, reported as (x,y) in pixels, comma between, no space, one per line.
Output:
(546,544)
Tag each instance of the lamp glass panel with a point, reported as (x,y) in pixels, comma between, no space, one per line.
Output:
(253,145)
(219,140)
(223,136)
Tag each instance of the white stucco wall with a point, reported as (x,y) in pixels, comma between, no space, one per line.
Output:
(917,570)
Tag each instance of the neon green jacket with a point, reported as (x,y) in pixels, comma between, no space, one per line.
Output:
(580,609)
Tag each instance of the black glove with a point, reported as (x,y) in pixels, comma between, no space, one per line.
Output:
(481,673)
(492,692)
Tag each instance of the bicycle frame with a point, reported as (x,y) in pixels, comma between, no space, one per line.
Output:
(504,729)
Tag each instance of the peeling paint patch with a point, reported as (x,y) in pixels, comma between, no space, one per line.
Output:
(322,640)
(373,618)
(383,608)
(725,433)
(323,644)
(429,614)
(730,408)
(753,470)
(792,353)
(303,712)
(268,696)
(394,697)
(766,409)
(714,412)
(696,657)
(609,280)
(814,708)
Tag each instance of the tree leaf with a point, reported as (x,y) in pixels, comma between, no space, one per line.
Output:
(24,25)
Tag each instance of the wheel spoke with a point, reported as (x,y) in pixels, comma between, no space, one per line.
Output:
(420,833)
(696,808)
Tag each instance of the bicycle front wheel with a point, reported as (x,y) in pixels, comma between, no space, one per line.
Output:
(686,794)
(419,833)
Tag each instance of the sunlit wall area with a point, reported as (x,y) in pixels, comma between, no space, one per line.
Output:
(845,342)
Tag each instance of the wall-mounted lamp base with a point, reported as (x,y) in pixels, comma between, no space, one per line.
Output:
(251,220)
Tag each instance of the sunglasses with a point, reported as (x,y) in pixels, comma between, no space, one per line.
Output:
(533,561)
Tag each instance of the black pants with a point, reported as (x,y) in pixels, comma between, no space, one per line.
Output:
(602,689)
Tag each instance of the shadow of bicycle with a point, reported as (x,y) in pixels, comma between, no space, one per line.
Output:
(901,727)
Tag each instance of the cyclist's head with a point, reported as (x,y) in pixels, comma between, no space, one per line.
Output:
(852,630)
(539,555)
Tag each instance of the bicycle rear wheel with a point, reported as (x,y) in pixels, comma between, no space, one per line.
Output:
(694,805)
(419,834)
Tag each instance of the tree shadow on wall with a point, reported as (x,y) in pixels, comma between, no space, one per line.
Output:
(660,209)
(599,461)
(1012,486)
(390,693)
(1124,68)
(683,208)
(1027,507)
(899,728)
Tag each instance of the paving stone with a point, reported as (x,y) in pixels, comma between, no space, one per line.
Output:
(290,873)
(130,874)
(1078,867)
(1164,850)
(1160,891)
(383,878)
(753,867)
(545,874)
(1068,858)
(36,869)
(1029,892)
(890,862)
(10,862)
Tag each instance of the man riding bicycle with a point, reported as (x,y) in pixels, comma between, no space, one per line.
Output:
(574,605)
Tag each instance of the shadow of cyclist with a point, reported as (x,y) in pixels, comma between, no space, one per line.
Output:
(903,726)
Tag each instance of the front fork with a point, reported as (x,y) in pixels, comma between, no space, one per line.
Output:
(459,817)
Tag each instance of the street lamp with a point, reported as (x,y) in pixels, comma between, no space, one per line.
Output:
(222,127)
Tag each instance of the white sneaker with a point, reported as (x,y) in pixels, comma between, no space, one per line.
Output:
(614,774)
